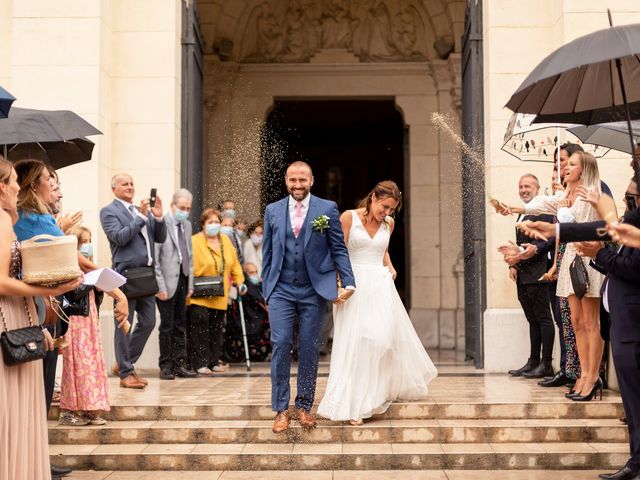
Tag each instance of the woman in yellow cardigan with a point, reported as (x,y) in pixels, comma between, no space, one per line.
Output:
(213,254)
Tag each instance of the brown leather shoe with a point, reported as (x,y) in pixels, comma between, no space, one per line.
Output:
(140,379)
(281,422)
(131,382)
(306,419)
(115,370)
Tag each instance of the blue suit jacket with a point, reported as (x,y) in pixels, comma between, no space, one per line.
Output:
(324,253)
(128,247)
(623,290)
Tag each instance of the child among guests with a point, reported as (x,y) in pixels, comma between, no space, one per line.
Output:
(84,391)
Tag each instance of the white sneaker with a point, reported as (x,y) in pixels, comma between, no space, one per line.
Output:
(204,371)
(219,368)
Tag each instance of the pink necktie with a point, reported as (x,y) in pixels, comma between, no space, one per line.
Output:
(298,225)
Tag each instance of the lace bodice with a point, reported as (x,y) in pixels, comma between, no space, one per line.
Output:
(363,249)
(15,266)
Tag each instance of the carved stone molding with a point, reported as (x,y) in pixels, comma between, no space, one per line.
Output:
(293,31)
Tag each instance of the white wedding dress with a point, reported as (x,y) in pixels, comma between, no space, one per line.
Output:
(377,356)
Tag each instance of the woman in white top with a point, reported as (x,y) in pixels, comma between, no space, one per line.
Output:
(581,177)
(253,246)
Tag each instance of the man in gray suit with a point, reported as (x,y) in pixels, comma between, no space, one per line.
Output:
(174,273)
(132,232)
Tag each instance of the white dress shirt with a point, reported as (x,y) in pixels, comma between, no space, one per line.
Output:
(293,212)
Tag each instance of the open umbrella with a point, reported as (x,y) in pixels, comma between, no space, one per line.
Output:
(536,142)
(613,135)
(56,136)
(593,79)
(6,99)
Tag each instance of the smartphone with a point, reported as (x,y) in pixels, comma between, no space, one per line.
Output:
(152,197)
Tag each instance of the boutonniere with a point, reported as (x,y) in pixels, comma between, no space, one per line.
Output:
(320,224)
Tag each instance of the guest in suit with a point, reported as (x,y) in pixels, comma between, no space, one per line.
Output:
(132,232)
(621,299)
(213,255)
(528,268)
(174,274)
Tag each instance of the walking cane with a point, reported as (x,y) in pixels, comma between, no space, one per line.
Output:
(244,333)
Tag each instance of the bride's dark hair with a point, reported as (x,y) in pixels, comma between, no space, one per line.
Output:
(384,189)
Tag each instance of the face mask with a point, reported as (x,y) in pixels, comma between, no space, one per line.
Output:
(230,212)
(241,234)
(181,215)
(255,279)
(256,239)
(228,231)
(212,229)
(86,250)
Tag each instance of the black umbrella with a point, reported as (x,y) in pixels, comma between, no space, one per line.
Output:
(6,99)
(56,136)
(593,79)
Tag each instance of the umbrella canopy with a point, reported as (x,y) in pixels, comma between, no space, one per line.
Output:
(56,136)
(579,82)
(56,154)
(613,135)
(6,99)
(536,142)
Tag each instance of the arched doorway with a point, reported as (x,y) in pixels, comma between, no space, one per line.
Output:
(350,144)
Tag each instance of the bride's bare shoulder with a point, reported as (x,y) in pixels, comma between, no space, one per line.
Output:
(346,217)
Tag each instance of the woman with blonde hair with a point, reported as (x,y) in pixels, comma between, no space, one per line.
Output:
(581,176)
(377,356)
(23,424)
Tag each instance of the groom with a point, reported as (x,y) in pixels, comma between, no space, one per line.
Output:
(303,247)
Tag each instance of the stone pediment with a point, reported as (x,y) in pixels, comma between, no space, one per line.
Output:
(295,31)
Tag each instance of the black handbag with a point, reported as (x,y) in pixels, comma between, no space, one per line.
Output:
(22,344)
(579,277)
(210,286)
(141,282)
(76,302)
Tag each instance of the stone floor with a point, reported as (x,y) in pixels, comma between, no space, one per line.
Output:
(470,420)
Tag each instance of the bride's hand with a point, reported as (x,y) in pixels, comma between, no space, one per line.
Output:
(393,272)
(343,295)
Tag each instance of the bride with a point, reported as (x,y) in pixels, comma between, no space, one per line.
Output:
(377,356)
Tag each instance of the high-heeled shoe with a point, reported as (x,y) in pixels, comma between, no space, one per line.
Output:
(597,387)
(571,393)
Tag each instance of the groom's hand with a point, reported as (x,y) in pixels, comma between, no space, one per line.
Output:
(344,295)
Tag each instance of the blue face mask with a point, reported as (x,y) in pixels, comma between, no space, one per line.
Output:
(212,229)
(241,234)
(181,215)
(86,250)
(228,231)
(255,279)
(229,212)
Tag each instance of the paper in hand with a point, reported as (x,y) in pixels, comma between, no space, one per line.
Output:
(105,279)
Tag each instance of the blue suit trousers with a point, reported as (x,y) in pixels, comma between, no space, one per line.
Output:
(287,303)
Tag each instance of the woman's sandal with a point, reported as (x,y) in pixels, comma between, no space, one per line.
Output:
(356,423)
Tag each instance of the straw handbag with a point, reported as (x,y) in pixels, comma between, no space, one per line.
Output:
(48,260)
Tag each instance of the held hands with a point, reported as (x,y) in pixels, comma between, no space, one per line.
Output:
(343,295)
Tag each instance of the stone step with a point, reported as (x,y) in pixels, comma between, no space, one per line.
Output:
(375,431)
(338,456)
(608,408)
(338,475)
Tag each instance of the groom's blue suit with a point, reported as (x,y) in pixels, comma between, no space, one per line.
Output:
(299,276)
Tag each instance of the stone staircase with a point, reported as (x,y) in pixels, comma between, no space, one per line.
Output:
(411,436)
